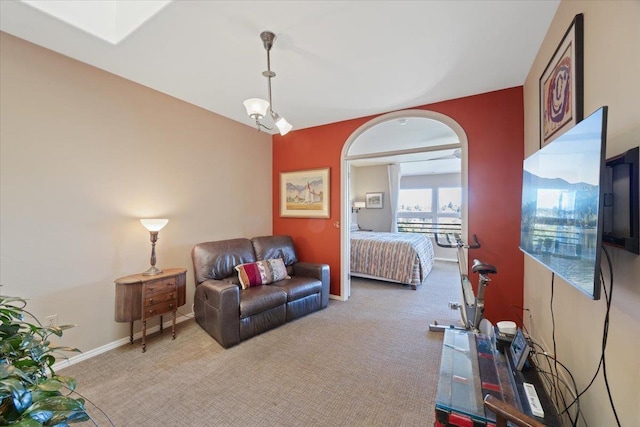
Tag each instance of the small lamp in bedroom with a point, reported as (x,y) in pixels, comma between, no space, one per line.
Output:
(357,206)
(154,226)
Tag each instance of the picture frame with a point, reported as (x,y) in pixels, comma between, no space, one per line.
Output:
(305,193)
(561,84)
(373,200)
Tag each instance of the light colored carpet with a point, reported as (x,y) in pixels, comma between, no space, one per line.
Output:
(370,361)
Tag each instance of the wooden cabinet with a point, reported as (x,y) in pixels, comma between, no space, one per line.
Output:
(140,297)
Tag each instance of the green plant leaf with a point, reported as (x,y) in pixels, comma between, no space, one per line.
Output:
(52,384)
(67,382)
(63,417)
(39,394)
(31,394)
(42,415)
(57,403)
(20,395)
(9,330)
(27,422)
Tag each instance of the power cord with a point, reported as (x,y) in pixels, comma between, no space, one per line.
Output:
(605,333)
(605,336)
(188,315)
(553,335)
(93,421)
(551,379)
(516,307)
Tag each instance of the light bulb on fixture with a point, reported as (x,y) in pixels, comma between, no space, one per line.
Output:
(257,108)
(283,126)
(154,226)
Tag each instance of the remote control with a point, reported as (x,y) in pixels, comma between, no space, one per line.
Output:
(534,401)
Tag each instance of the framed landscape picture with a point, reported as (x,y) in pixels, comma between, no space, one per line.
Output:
(305,193)
(561,85)
(373,200)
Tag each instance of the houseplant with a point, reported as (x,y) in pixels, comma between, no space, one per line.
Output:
(31,393)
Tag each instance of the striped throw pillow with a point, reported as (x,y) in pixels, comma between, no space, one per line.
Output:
(261,272)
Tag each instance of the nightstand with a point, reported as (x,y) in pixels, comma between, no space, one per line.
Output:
(140,297)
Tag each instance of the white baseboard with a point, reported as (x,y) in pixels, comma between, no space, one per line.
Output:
(97,351)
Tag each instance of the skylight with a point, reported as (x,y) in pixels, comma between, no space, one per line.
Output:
(110,20)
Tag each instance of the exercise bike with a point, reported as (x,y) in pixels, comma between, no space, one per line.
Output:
(472,306)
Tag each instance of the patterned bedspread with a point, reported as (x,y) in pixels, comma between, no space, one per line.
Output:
(398,257)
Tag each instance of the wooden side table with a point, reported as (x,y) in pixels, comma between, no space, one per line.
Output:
(140,297)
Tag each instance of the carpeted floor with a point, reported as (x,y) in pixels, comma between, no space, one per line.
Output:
(370,361)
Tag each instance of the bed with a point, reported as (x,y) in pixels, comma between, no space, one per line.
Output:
(405,258)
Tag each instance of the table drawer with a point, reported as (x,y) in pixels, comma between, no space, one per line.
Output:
(158,297)
(159,308)
(160,286)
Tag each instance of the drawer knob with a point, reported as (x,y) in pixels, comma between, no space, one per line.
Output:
(151,300)
(171,295)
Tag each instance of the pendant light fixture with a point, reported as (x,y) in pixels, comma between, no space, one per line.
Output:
(258,108)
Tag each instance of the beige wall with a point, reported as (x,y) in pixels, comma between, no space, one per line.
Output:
(373,179)
(85,154)
(611,70)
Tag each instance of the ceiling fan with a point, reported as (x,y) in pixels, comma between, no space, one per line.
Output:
(457,153)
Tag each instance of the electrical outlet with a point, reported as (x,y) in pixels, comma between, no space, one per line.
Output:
(52,320)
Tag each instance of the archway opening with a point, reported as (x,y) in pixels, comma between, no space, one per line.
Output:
(421,142)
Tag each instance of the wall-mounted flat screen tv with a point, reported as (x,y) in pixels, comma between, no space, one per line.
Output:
(562,203)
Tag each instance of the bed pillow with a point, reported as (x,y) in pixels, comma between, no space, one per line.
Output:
(354,227)
(261,272)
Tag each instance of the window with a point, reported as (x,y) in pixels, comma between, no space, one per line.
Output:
(416,213)
(449,200)
(419,200)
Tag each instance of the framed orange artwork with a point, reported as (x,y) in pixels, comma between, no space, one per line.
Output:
(561,85)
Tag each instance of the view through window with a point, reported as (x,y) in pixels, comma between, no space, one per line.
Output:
(429,210)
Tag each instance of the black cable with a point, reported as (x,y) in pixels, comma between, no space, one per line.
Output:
(549,377)
(520,318)
(550,383)
(595,375)
(567,386)
(553,329)
(93,404)
(555,351)
(550,386)
(555,374)
(605,334)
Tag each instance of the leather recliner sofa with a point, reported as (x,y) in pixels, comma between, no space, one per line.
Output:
(231,314)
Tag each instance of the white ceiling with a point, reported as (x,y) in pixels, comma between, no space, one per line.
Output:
(335,60)
(417,143)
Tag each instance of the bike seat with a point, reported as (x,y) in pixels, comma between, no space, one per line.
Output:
(482,268)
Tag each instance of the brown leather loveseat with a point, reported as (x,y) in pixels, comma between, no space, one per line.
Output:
(231,314)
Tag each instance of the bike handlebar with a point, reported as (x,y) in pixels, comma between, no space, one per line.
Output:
(458,242)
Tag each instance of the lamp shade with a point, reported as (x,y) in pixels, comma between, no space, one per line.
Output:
(154,224)
(283,126)
(359,205)
(256,107)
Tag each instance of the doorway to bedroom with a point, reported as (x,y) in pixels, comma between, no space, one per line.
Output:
(403,172)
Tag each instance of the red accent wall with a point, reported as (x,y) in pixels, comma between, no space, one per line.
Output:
(494,124)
